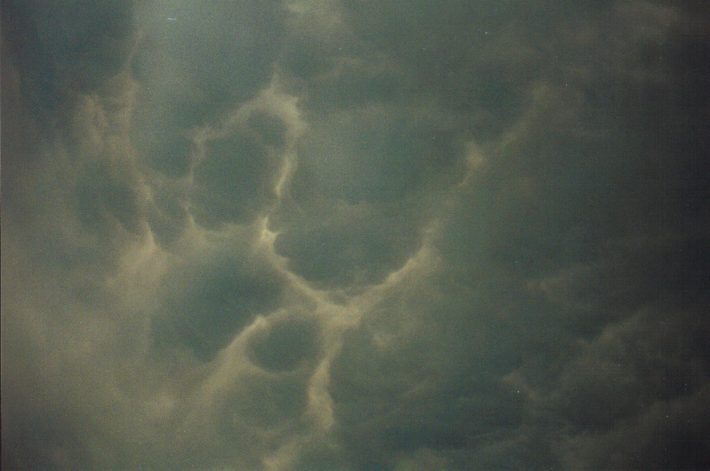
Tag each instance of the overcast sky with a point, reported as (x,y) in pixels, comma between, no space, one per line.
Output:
(322,235)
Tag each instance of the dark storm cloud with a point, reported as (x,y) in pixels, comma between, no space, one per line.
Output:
(376,171)
(70,99)
(589,188)
(66,47)
(208,300)
(286,345)
(236,179)
(321,234)
(194,64)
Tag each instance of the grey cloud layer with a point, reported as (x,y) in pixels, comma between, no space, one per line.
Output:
(320,234)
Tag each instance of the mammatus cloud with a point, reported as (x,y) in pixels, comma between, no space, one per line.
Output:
(333,234)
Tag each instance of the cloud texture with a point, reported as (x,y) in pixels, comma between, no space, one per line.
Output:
(357,235)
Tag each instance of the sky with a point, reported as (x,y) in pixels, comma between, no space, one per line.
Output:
(343,235)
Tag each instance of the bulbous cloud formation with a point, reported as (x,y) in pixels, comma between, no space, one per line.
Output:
(357,235)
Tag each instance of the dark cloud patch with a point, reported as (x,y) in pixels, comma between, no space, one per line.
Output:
(373,155)
(305,57)
(270,129)
(248,422)
(188,82)
(540,164)
(43,442)
(577,191)
(168,212)
(243,35)
(268,402)
(656,361)
(91,45)
(68,167)
(626,371)
(348,82)
(473,58)
(167,151)
(354,246)
(236,179)
(102,194)
(286,345)
(668,437)
(371,171)
(207,302)
(399,392)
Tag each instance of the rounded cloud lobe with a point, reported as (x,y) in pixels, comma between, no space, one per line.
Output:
(334,234)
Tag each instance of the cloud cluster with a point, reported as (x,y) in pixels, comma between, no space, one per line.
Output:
(344,234)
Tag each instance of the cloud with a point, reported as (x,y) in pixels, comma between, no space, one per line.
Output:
(193,70)
(210,299)
(376,174)
(322,234)
(237,178)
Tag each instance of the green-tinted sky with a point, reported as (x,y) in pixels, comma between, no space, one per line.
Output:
(320,235)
